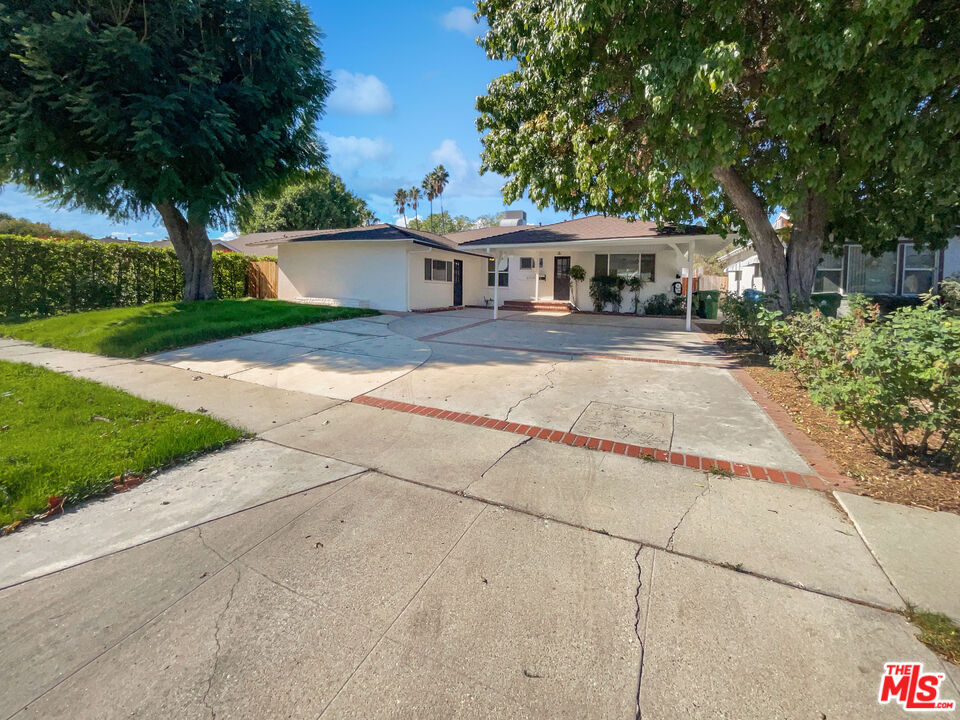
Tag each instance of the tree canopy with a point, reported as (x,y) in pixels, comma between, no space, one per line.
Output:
(846,114)
(129,107)
(9,225)
(317,201)
(441,223)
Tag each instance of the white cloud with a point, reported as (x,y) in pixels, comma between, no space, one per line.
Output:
(349,153)
(228,236)
(461,20)
(465,178)
(400,221)
(359,94)
(451,157)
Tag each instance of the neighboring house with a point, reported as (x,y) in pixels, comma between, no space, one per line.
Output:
(217,245)
(243,243)
(742,267)
(905,272)
(394,268)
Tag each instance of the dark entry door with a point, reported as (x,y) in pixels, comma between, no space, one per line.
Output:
(457,283)
(561,278)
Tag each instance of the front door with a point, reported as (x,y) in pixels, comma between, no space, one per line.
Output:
(561,278)
(457,283)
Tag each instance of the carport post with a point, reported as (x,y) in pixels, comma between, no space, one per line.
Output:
(536,282)
(690,249)
(496,283)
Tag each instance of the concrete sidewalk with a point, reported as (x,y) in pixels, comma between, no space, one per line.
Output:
(358,562)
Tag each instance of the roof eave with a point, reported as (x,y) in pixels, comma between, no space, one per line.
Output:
(658,240)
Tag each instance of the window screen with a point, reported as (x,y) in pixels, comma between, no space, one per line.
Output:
(438,270)
(599,265)
(829,275)
(648,266)
(627,266)
(919,270)
(871,275)
(502,275)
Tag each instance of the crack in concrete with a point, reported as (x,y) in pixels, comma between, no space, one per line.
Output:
(549,385)
(641,632)
(506,452)
(216,656)
(209,547)
(636,624)
(706,489)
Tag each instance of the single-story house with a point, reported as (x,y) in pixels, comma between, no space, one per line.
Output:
(388,267)
(904,272)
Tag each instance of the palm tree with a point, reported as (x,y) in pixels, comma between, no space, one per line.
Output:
(427,186)
(413,196)
(440,178)
(400,201)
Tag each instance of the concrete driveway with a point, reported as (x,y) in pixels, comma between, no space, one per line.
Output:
(361,561)
(632,380)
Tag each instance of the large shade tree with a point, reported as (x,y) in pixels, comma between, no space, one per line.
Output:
(844,113)
(176,107)
(317,200)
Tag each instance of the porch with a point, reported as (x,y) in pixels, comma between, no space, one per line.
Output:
(537,275)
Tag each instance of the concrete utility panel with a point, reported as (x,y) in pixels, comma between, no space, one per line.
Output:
(623,423)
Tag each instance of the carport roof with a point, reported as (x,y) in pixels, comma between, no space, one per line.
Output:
(590,228)
(381,232)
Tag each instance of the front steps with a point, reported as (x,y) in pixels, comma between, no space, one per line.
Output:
(538,305)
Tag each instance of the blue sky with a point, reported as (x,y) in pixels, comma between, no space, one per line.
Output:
(408,76)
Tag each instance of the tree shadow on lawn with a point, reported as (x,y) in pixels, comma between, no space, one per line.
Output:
(139,330)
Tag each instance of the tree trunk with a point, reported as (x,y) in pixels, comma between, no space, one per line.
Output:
(789,275)
(805,246)
(194,252)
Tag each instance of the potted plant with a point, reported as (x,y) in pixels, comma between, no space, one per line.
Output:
(578,275)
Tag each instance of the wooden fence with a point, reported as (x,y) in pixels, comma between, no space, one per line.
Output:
(262,279)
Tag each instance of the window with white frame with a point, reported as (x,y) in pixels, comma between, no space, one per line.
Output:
(871,275)
(499,274)
(829,275)
(437,270)
(919,270)
(526,263)
(641,265)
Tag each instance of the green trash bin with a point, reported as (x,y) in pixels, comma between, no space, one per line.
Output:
(827,303)
(709,304)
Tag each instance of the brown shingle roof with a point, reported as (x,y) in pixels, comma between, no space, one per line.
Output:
(592,227)
(478,233)
(380,231)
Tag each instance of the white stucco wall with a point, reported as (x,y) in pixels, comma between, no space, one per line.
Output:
(748,275)
(428,295)
(523,282)
(951,258)
(371,273)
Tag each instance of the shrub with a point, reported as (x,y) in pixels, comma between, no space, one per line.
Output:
(947,295)
(636,285)
(47,277)
(895,378)
(750,319)
(606,289)
(661,304)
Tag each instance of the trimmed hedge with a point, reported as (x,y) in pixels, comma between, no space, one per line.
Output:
(48,277)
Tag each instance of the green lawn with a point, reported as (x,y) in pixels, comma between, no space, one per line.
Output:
(135,331)
(62,436)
